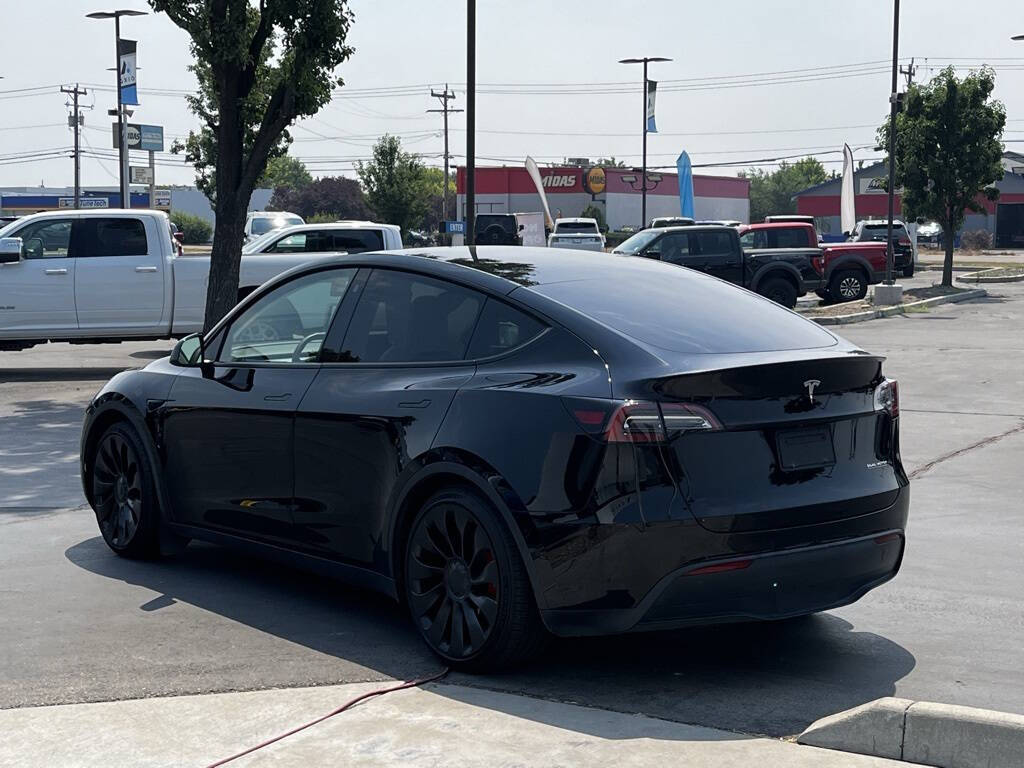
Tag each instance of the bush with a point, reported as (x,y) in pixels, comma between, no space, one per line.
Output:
(196,229)
(594,212)
(323,218)
(976,240)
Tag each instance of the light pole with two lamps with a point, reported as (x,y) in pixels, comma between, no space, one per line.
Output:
(643,187)
(122,143)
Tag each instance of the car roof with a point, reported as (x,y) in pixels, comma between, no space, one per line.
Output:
(776,224)
(577,220)
(271,214)
(93,212)
(690,228)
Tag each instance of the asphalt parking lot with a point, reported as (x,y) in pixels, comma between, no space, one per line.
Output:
(83,625)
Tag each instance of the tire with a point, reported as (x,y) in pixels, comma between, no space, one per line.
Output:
(123,494)
(780,290)
(848,285)
(908,271)
(466,585)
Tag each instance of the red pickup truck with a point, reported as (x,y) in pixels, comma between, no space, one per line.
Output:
(847,269)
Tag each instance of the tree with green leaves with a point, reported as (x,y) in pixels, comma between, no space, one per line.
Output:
(260,65)
(336,196)
(396,183)
(285,172)
(948,150)
(772,192)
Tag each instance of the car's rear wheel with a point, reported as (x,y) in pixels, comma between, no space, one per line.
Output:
(908,271)
(123,496)
(848,285)
(467,587)
(780,290)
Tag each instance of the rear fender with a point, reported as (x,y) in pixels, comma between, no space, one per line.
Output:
(777,269)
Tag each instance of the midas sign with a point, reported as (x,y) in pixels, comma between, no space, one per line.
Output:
(595,181)
(559,181)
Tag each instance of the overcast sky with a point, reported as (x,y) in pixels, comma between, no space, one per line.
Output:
(721,99)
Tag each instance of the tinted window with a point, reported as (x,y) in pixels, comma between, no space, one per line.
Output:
(754,238)
(47,239)
(683,311)
(790,238)
(264,224)
(715,243)
(406,318)
(273,328)
(110,237)
(356,240)
(500,329)
(674,247)
(572,226)
(637,242)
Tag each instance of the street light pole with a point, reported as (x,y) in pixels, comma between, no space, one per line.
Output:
(643,187)
(122,143)
(470,210)
(893,104)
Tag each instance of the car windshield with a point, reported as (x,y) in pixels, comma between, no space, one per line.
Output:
(637,242)
(258,244)
(264,224)
(588,227)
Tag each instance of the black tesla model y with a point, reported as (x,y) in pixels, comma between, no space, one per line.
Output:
(516,442)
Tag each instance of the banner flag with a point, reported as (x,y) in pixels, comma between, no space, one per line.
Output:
(534,171)
(652,90)
(847,199)
(126,50)
(685,185)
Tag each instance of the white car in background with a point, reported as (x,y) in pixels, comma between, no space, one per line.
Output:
(579,233)
(338,237)
(258,223)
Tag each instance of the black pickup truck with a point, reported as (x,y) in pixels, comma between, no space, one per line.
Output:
(780,274)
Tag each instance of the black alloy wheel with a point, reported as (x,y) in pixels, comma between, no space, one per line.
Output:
(122,495)
(466,586)
(779,290)
(848,285)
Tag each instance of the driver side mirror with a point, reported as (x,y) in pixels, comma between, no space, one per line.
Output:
(10,250)
(180,237)
(188,352)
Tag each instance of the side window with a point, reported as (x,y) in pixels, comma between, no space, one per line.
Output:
(47,239)
(407,318)
(110,237)
(357,240)
(291,244)
(675,247)
(500,329)
(755,238)
(715,243)
(791,238)
(289,323)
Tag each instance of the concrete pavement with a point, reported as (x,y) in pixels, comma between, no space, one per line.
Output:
(431,726)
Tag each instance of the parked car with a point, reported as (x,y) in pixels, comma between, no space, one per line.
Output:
(847,269)
(515,442)
(497,229)
(260,222)
(904,253)
(670,221)
(581,234)
(108,275)
(722,222)
(782,276)
(930,234)
(339,237)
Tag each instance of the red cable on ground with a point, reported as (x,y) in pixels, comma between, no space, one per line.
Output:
(339,710)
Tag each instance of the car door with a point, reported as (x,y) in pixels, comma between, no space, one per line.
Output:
(228,424)
(385,385)
(120,269)
(37,292)
(719,254)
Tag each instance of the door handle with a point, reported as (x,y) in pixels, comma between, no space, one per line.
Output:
(415,404)
(60,271)
(277,398)
(145,269)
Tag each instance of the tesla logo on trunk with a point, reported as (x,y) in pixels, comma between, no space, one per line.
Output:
(811,384)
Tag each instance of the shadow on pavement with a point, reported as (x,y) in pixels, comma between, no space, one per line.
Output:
(771,678)
(39,456)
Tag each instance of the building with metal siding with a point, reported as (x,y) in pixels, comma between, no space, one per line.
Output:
(1004,218)
(510,190)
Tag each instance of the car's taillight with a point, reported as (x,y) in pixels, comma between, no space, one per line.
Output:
(887,397)
(818,262)
(904,241)
(641,421)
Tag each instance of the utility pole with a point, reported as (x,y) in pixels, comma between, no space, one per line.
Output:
(908,72)
(444,97)
(470,211)
(645,60)
(75,121)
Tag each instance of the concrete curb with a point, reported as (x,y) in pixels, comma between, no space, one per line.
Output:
(942,735)
(979,277)
(899,309)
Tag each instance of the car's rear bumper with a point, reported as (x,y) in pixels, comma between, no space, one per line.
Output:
(770,585)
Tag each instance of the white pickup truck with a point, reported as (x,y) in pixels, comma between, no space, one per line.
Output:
(579,233)
(108,275)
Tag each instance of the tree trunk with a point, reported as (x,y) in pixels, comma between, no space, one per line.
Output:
(947,263)
(225,258)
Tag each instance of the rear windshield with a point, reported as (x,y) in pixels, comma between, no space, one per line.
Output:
(505,222)
(572,226)
(673,309)
(263,225)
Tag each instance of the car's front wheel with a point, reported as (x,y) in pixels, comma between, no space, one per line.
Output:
(467,587)
(123,495)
